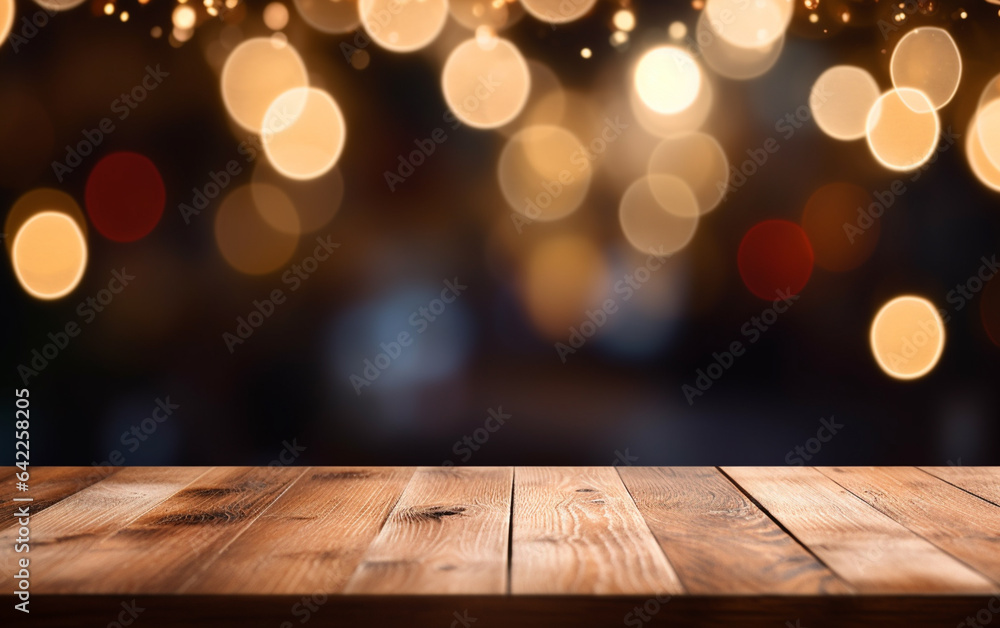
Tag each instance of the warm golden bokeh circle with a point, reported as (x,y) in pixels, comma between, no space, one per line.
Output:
(256,73)
(245,236)
(49,255)
(927,59)
(303,133)
(699,160)
(486,84)
(544,172)
(840,101)
(751,24)
(558,11)
(39,200)
(667,80)
(403,25)
(333,17)
(658,214)
(907,337)
(902,137)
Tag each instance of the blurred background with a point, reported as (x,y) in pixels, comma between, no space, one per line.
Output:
(424,288)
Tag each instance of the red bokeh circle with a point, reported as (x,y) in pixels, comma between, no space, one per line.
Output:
(775,256)
(125,196)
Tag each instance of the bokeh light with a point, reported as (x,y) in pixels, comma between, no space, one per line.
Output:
(564,275)
(775,259)
(245,235)
(59,5)
(316,200)
(49,255)
(558,11)
(184,17)
(39,200)
(125,196)
(623,20)
(987,127)
(403,25)
(256,73)
(667,125)
(699,160)
(333,17)
(544,172)
(303,133)
(902,137)
(475,13)
(7,12)
(667,79)
(750,23)
(276,16)
(658,214)
(486,84)
(927,59)
(907,337)
(841,99)
(984,170)
(826,213)
(733,61)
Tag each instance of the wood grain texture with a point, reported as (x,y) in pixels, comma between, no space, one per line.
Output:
(165,547)
(47,486)
(448,533)
(981,481)
(717,540)
(869,550)
(310,540)
(961,524)
(576,530)
(67,530)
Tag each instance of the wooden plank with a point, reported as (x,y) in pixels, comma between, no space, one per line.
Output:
(47,486)
(168,545)
(576,530)
(961,524)
(981,481)
(66,530)
(866,548)
(312,539)
(447,534)
(717,540)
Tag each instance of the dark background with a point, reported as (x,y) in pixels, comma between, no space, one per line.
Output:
(621,393)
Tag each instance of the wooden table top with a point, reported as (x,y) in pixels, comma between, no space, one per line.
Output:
(552,546)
